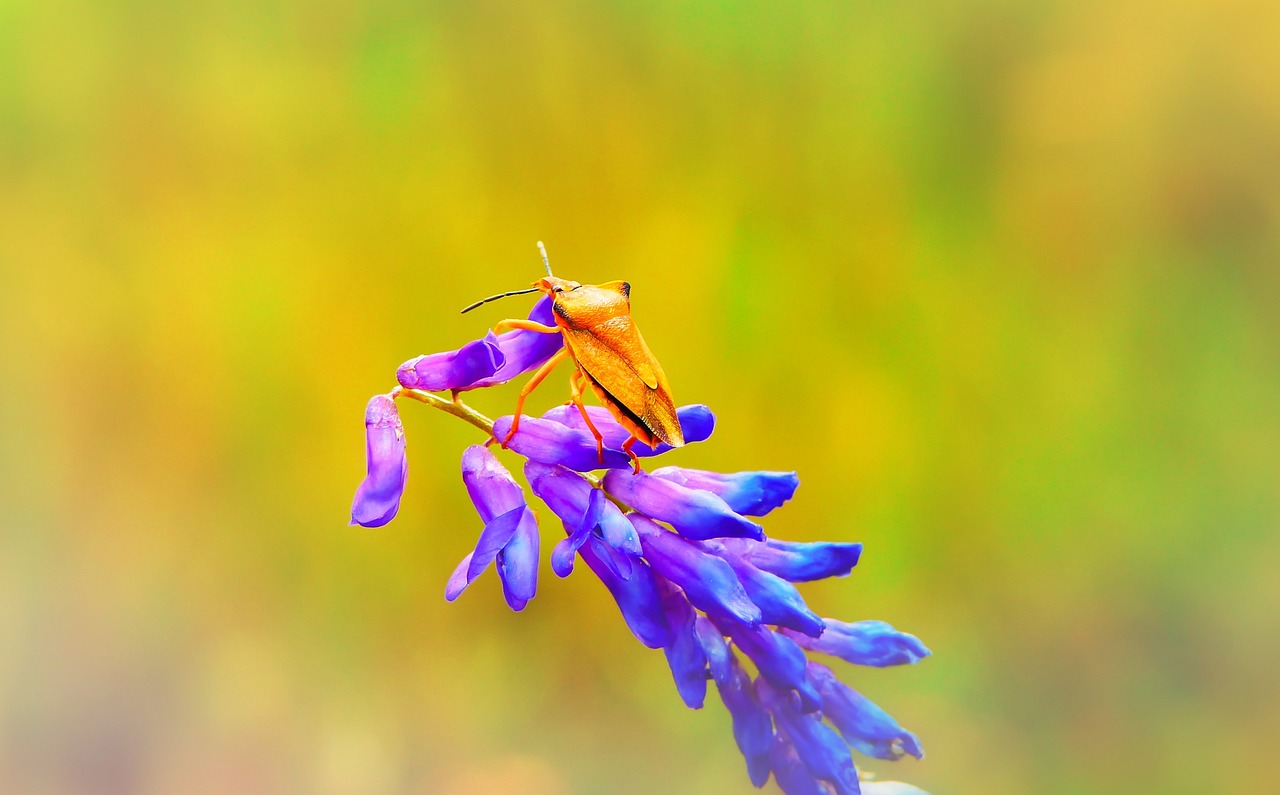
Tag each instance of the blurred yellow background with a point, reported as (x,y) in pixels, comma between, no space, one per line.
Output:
(1000,280)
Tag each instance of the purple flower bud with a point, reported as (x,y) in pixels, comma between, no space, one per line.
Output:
(792,776)
(378,496)
(549,442)
(510,534)
(459,369)
(492,489)
(778,658)
(752,728)
(696,423)
(585,511)
(747,493)
(525,350)
(818,746)
(707,580)
(797,562)
(873,643)
(685,657)
(512,540)
(695,514)
(779,601)
(866,727)
(638,599)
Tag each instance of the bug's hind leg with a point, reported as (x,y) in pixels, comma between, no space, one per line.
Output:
(575,397)
(537,378)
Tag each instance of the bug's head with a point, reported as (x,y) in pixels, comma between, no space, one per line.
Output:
(552,285)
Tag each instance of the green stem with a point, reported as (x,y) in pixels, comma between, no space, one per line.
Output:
(455,407)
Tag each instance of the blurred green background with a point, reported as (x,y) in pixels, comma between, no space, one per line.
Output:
(1000,280)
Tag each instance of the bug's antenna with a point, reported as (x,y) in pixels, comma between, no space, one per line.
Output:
(545,260)
(499,295)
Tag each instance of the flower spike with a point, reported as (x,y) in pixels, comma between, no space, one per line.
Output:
(678,550)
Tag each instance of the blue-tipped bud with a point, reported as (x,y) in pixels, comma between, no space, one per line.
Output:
(694,514)
(797,561)
(708,581)
(685,656)
(747,493)
(821,750)
(752,728)
(696,424)
(873,643)
(865,726)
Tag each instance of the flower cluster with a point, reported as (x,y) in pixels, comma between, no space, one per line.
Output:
(679,551)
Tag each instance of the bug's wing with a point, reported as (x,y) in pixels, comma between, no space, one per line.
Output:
(616,358)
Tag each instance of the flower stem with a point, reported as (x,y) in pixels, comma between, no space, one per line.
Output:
(455,407)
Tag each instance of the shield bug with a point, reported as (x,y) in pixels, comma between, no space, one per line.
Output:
(609,355)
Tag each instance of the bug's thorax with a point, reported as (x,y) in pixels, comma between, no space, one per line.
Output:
(584,306)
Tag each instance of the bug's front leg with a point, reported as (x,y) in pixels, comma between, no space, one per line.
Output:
(537,378)
(524,325)
(575,397)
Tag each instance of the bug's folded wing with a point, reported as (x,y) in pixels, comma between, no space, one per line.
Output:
(615,356)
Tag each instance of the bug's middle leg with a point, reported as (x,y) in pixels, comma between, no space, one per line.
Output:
(635,459)
(575,397)
(537,378)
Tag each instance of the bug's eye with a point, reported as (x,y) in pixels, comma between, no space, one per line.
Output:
(559,290)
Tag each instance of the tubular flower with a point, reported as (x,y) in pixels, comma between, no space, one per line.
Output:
(458,369)
(378,497)
(696,423)
(873,643)
(747,493)
(510,534)
(691,574)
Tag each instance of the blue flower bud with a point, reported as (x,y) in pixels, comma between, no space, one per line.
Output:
(779,659)
(719,658)
(865,726)
(779,601)
(707,580)
(874,643)
(792,776)
(797,562)
(378,497)
(685,656)
(747,493)
(638,598)
(549,442)
(695,514)
(696,423)
(752,727)
(818,746)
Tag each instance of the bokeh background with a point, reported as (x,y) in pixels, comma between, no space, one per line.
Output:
(1000,280)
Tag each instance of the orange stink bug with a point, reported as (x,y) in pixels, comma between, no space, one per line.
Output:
(609,354)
